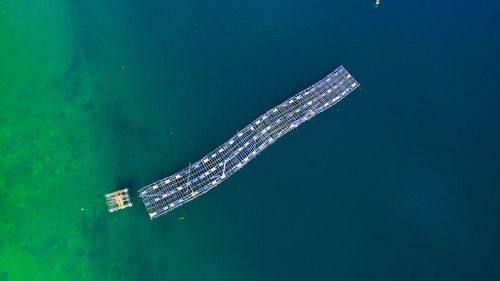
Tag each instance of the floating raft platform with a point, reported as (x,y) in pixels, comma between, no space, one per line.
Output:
(171,192)
(118,200)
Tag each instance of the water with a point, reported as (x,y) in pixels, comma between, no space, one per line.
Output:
(397,182)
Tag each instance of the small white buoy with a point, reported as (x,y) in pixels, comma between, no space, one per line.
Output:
(83,209)
(377,3)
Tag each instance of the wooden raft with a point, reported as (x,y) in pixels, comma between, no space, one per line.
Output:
(118,200)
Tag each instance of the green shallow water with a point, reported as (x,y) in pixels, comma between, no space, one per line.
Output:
(398,182)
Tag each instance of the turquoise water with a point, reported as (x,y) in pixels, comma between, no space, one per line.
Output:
(399,181)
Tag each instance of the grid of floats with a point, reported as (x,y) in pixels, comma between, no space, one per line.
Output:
(171,192)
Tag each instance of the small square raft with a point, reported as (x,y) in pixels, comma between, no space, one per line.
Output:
(118,200)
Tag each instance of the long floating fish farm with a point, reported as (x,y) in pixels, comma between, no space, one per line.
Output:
(171,192)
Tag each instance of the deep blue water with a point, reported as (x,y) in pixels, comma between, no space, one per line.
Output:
(400,181)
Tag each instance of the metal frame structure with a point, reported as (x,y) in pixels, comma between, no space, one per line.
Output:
(171,192)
